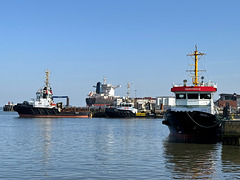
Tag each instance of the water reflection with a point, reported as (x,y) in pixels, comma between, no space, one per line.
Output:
(231,161)
(44,140)
(127,149)
(191,161)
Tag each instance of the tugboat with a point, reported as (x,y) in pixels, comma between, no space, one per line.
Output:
(194,115)
(9,106)
(45,107)
(103,96)
(123,110)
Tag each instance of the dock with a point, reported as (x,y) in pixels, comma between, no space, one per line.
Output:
(231,132)
(99,112)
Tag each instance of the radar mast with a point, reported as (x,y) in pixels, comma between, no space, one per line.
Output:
(47,72)
(195,76)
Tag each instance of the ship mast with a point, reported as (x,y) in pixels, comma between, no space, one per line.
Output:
(196,54)
(128,90)
(47,77)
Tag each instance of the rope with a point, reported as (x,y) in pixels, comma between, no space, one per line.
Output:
(200,124)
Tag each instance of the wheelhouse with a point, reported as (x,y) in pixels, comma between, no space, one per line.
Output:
(194,97)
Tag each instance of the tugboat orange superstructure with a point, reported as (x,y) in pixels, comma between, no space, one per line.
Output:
(194,114)
(44,106)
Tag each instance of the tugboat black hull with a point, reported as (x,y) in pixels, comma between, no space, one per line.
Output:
(117,113)
(192,125)
(37,112)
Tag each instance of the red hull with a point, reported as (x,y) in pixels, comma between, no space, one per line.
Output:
(53,116)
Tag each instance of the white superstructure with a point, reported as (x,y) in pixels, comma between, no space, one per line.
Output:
(44,95)
(198,97)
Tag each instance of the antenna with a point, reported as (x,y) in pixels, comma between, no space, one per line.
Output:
(104,80)
(196,54)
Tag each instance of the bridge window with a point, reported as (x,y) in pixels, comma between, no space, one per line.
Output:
(192,96)
(38,95)
(205,96)
(180,96)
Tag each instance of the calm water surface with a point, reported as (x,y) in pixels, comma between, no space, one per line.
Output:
(100,148)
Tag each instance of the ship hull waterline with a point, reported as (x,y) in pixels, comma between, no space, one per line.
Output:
(51,116)
(117,113)
(193,125)
(34,112)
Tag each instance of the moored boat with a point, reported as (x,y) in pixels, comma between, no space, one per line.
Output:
(194,114)
(123,110)
(103,96)
(44,106)
(9,106)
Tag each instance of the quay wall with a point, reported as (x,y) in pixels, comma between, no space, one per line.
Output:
(231,132)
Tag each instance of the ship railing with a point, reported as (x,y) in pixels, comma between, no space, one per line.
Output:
(176,85)
(209,84)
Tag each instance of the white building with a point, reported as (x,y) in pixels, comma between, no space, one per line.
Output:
(165,102)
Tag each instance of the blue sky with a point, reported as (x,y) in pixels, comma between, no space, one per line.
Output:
(143,42)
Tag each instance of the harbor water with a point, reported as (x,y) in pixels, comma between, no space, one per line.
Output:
(100,148)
